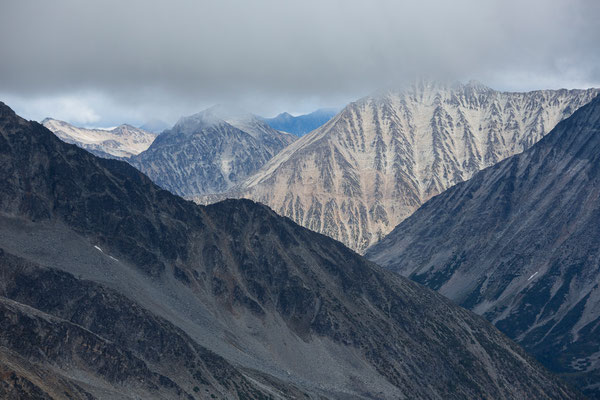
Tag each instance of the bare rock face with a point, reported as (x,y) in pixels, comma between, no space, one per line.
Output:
(120,289)
(356,177)
(209,152)
(121,142)
(518,244)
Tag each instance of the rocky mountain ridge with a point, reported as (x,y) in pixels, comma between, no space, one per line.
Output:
(209,152)
(359,175)
(123,141)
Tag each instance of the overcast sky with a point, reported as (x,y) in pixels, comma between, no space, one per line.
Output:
(106,62)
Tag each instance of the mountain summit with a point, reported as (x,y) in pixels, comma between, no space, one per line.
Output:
(359,175)
(210,151)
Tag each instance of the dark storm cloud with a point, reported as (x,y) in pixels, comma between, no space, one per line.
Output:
(109,60)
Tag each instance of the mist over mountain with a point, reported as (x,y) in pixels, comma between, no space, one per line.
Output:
(371,166)
(301,124)
(155,126)
(518,244)
(134,292)
(210,151)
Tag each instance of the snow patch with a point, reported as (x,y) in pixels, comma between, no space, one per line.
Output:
(531,277)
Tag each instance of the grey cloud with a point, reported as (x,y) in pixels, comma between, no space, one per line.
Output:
(137,59)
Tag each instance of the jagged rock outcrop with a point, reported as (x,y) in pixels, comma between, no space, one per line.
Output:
(116,281)
(121,142)
(209,152)
(358,176)
(518,243)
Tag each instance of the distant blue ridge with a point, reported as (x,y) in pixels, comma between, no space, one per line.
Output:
(301,124)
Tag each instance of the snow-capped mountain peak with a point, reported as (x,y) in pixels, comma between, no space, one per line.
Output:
(122,141)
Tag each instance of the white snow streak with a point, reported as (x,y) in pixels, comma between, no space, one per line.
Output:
(101,251)
(531,277)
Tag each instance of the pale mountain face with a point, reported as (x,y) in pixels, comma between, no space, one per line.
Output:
(121,142)
(209,152)
(358,176)
(519,244)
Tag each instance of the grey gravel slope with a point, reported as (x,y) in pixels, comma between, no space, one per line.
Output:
(519,244)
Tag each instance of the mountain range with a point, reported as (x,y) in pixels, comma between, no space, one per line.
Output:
(371,166)
(209,152)
(121,142)
(301,124)
(114,288)
(518,244)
